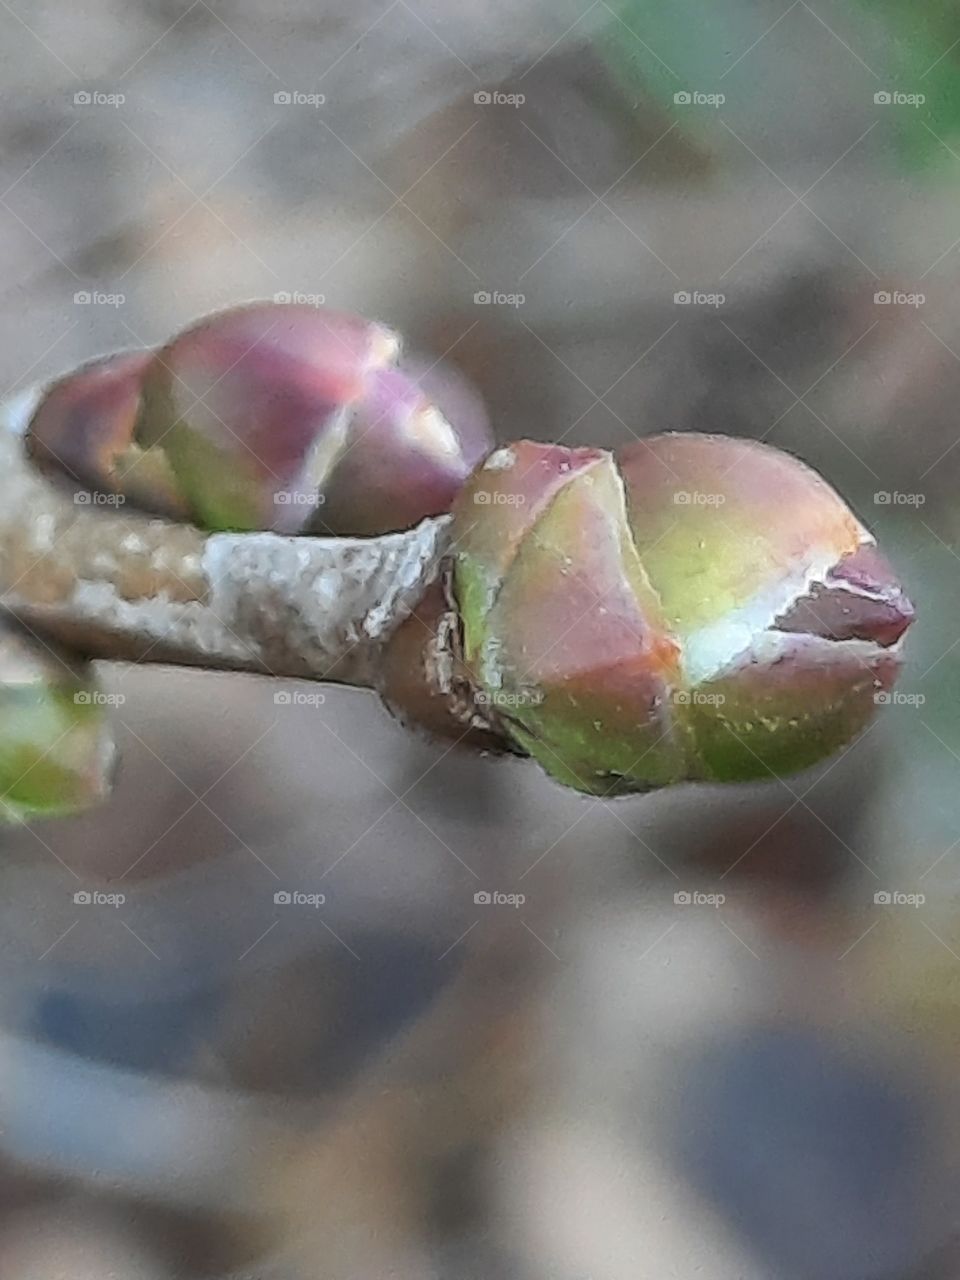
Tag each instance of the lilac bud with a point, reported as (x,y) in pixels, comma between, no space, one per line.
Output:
(699,607)
(56,752)
(295,417)
(403,459)
(84,426)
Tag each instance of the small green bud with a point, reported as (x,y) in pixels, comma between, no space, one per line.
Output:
(56,752)
(699,607)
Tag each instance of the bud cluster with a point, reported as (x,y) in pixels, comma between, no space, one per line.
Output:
(695,607)
(295,418)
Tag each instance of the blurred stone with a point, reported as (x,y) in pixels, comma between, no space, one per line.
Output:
(822,1153)
(65,1242)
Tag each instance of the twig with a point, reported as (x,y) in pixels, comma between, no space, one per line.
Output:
(121,585)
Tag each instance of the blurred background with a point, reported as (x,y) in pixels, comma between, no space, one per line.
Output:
(253,1020)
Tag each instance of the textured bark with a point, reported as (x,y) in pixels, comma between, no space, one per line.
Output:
(117,584)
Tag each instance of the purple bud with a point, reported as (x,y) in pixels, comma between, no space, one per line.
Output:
(295,417)
(403,459)
(84,426)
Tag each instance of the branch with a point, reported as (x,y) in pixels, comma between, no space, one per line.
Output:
(599,614)
(126,586)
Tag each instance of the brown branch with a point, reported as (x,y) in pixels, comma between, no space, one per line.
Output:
(116,584)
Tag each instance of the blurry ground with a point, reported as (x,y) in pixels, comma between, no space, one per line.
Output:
(603,1083)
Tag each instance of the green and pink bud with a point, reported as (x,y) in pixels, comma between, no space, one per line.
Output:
(84,427)
(56,750)
(285,417)
(697,607)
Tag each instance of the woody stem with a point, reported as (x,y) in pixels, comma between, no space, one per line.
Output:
(77,569)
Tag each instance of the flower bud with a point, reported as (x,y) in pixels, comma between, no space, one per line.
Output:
(404,459)
(699,607)
(84,426)
(292,417)
(56,752)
